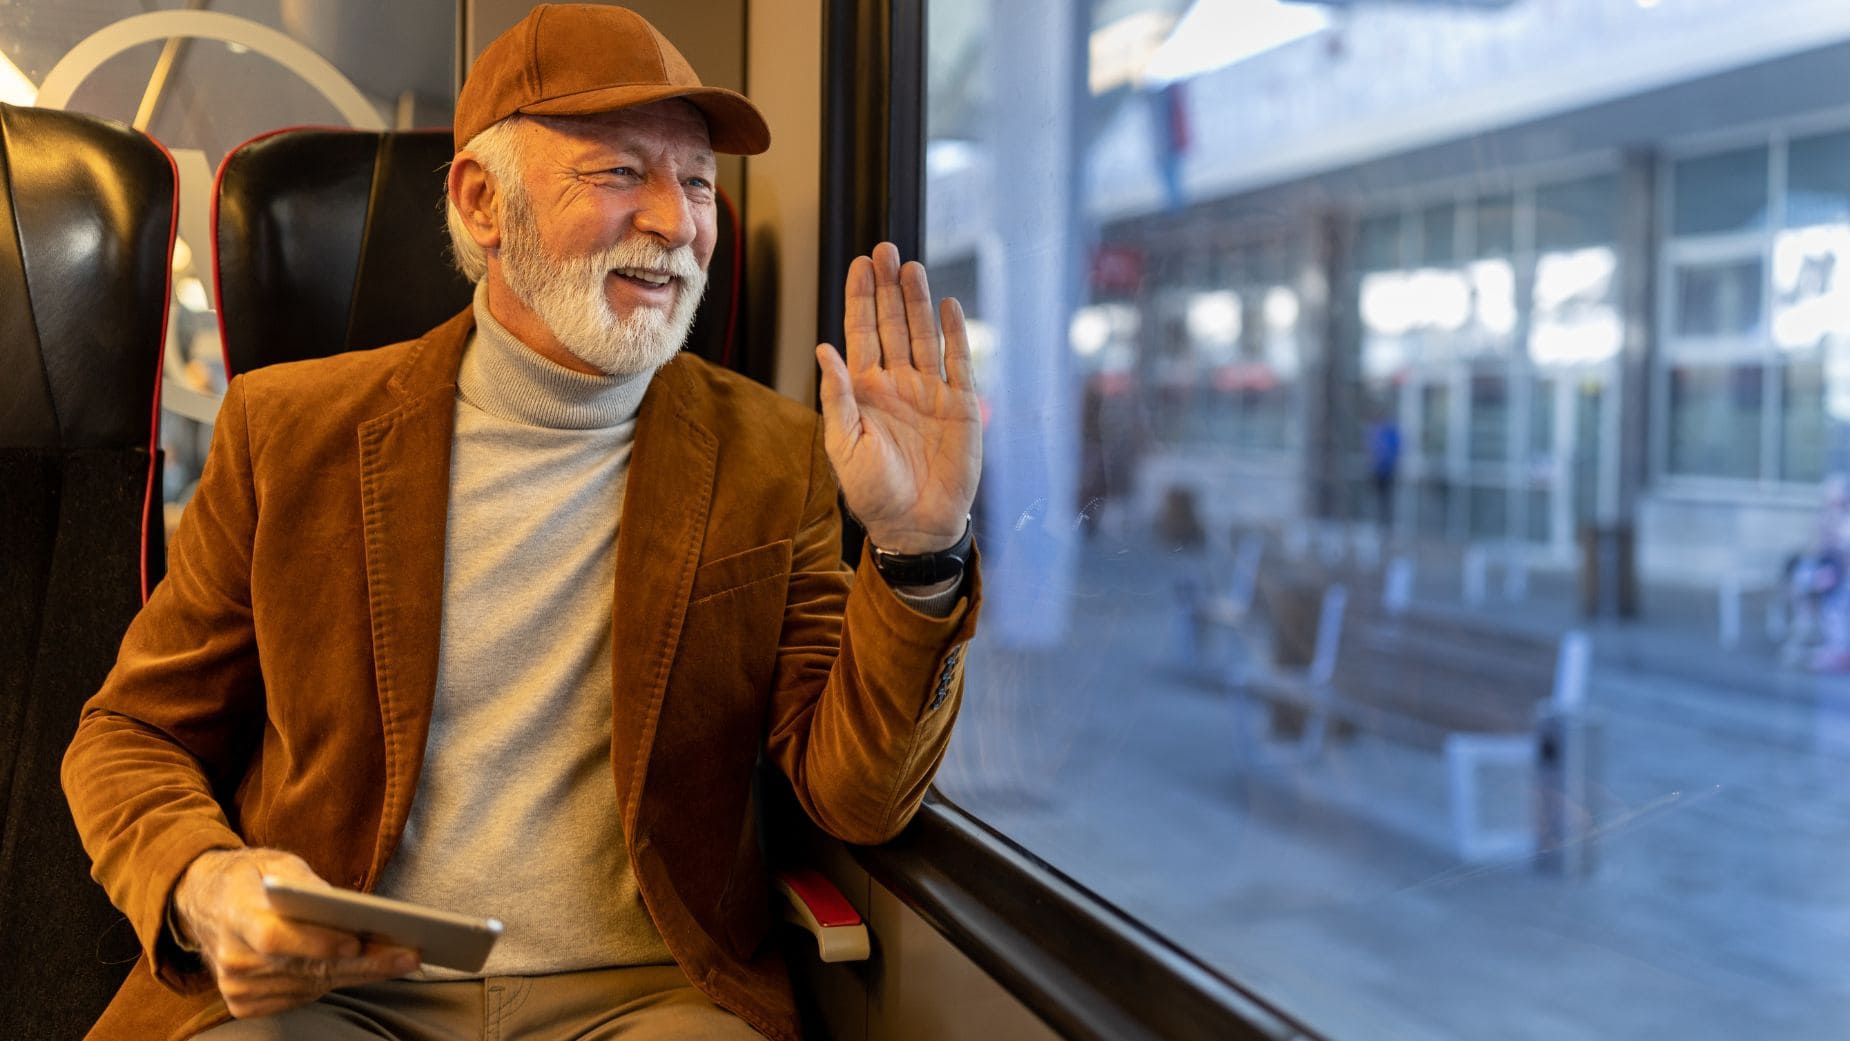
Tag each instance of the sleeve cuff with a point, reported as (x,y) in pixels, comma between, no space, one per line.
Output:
(934,605)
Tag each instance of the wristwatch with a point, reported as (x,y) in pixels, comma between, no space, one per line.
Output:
(924,569)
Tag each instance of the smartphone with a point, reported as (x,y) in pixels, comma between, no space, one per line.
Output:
(443,938)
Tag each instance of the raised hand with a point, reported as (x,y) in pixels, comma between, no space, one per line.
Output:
(900,417)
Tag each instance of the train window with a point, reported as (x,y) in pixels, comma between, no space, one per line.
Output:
(203,78)
(1523,324)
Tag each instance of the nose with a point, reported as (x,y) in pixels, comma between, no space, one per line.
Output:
(666,213)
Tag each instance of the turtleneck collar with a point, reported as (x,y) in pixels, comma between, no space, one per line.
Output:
(507,379)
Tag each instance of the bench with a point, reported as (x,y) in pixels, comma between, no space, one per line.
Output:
(1221,604)
(1219,598)
(1478,696)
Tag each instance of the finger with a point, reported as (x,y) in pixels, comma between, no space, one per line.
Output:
(957,367)
(264,995)
(385,963)
(890,306)
(859,324)
(277,937)
(841,416)
(916,289)
(254,1005)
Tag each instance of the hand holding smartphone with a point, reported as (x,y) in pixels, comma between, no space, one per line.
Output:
(442,938)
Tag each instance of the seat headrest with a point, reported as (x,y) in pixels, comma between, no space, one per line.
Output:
(88,210)
(331,240)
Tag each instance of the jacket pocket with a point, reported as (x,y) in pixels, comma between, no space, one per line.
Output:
(738,570)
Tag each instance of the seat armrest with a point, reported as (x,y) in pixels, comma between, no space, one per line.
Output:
(813,902)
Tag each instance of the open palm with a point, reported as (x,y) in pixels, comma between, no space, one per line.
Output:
(900,417)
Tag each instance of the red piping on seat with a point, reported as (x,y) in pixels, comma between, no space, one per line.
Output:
(160,372)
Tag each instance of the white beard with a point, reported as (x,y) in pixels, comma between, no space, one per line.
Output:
(567,293)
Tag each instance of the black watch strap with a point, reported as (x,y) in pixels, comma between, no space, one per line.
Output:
(924,569)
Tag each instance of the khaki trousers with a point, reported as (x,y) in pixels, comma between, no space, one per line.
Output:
(644,1003)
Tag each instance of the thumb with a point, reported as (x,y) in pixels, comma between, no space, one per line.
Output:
(841,417)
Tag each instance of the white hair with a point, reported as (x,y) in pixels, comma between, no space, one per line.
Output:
(498,150)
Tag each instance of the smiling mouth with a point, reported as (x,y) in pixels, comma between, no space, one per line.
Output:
(644,277)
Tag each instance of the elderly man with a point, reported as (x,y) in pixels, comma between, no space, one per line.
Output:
(501,620)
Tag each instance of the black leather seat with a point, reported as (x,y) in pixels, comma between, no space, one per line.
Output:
(333,240)
(88,208)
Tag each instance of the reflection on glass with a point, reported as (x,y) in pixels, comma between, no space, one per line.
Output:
(1811,285)
(1214,323)
(1575,320)
(1715,420)
(1493,300)
(1105,335)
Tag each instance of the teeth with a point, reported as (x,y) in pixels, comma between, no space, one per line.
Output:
(654,278)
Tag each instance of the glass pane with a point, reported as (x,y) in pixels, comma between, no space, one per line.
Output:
(1378,243)
(1542,419)
(1439,235)
(1577,214)
(1494,230)
(1818,180)
(1715,420)
(1718,299)
(1334,879)
(1435,419)
(1490,512)
(1720,193)
(1805,427)
(1490,415)
(1433,503)
(1589,426)
(1540,522)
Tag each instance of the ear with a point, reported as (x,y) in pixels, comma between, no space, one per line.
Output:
(474,194)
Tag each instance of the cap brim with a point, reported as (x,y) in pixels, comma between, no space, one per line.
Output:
(734,124)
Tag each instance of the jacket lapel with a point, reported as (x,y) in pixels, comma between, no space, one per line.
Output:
(404,495)
(663,525)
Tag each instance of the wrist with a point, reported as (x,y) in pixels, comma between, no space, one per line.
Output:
(922,563)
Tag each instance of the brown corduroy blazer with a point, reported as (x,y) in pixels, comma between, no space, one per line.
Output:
(276,690)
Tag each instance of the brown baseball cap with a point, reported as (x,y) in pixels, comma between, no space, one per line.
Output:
(581,59)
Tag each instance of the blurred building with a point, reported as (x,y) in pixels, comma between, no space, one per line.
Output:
(1587,256)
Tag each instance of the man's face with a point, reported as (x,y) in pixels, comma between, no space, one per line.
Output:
(608,235)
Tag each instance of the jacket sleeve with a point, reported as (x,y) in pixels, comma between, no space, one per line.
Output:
(865,687)
(166,734)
